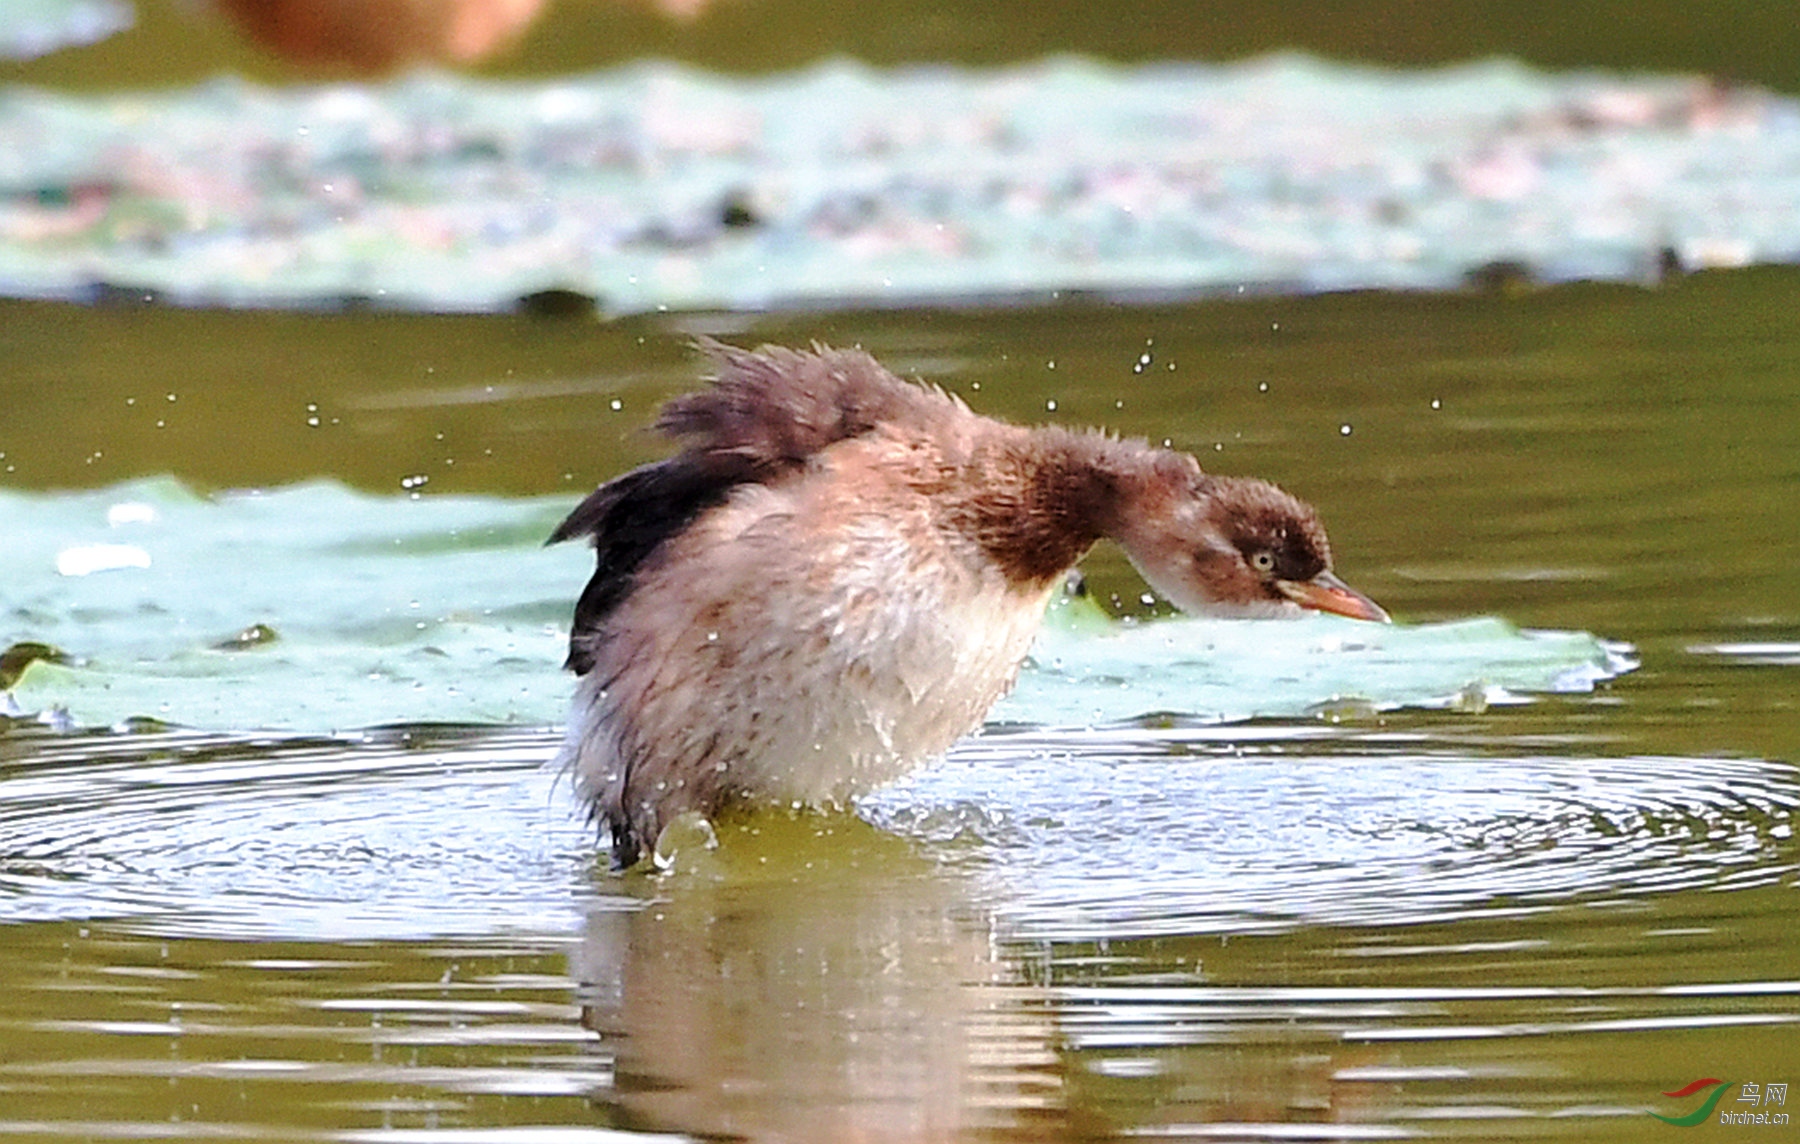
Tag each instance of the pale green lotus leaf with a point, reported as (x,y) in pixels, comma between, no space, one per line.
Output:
(318,608)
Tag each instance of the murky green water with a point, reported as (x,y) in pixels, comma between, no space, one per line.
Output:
(1517,910)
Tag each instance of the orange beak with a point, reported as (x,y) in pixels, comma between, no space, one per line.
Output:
(1326,593)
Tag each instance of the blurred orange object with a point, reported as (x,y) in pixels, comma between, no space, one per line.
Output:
(374,36)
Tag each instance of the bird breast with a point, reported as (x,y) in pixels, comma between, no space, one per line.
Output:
(805,643)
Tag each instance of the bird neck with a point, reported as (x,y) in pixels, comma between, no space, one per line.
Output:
(1037,499)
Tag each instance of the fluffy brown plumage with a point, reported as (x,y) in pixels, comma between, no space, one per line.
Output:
(840,572)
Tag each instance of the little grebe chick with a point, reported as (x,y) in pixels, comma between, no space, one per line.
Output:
(840,572)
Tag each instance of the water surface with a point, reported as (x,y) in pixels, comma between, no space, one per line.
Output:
(1519,911)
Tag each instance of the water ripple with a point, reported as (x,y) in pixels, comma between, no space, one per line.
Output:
(1114,834)
(1179,833)
(405,832)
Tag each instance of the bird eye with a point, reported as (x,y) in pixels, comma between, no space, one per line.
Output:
(1263,561)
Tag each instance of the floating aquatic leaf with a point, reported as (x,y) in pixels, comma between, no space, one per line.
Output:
(1318,666)
(656,186)
(15,659)
(450,610)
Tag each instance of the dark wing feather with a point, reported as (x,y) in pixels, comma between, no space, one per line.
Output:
(631,516)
